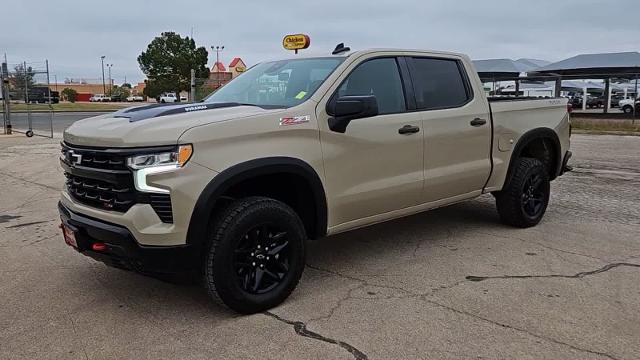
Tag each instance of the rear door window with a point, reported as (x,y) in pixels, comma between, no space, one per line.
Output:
(439,83)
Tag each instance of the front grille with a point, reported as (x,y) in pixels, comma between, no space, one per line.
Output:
(101,194)
(100,178)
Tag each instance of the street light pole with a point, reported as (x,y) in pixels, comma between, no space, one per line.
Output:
(104,87)
(110,81)
(218,50)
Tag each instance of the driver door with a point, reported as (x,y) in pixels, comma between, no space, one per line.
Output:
(375,166)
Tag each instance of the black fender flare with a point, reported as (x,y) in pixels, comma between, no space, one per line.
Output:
(526,139)
(203,209)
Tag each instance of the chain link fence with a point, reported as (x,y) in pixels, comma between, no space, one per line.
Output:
(27,98)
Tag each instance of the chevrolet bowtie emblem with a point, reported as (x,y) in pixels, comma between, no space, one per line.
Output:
(73,158)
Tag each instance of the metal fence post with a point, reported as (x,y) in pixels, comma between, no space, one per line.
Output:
(49,93)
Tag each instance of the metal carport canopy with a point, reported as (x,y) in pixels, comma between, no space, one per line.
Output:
(595,66)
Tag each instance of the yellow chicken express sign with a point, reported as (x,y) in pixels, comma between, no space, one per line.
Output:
(296,42)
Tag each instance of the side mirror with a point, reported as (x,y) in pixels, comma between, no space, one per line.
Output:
(346,108)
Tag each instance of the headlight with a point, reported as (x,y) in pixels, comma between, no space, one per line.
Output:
(147,164)
(173,158)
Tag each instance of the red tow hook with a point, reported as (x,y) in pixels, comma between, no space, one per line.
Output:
(98,246)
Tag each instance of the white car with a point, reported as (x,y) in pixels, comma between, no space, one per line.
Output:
(135,98)
(626,105)
(168,98)
(99,98)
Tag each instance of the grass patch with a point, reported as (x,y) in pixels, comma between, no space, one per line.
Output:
(604,125)
(67,106)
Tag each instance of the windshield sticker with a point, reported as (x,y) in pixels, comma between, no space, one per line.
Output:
(301,94)
(294,120)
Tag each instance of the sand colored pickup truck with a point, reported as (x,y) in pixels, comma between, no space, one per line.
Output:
(231,188)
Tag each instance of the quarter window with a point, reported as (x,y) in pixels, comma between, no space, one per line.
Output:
(379,77)
(438,84)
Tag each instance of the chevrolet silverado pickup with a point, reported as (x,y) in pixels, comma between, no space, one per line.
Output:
(231,188)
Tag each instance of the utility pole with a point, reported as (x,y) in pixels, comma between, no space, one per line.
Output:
(104,87)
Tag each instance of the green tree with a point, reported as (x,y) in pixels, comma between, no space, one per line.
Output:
(22,80)
(120,91)
(168,61)
(70,94)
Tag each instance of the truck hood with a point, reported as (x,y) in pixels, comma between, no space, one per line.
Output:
(153,125)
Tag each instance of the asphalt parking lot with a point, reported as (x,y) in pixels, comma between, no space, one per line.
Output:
(448,284)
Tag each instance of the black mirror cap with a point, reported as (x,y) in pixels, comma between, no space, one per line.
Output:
(347,108)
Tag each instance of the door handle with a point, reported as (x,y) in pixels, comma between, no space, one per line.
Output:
(478,122)
(408,129)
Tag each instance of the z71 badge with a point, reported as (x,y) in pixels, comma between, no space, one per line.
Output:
(294,120)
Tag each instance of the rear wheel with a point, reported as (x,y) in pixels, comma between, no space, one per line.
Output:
(256,254)
(523,202)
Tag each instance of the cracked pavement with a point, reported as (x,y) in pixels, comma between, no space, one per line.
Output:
(452,283)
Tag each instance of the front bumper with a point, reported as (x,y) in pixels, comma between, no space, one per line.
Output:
(123,251)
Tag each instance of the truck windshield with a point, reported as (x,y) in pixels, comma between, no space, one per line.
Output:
(277,84)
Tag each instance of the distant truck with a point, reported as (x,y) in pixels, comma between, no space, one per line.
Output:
(99,98)
(168,98)
(626,105)
(231,188)
(40,95)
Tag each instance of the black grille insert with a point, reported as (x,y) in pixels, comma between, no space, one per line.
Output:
(100,178)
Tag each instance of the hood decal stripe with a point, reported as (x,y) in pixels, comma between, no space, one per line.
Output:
(156,110)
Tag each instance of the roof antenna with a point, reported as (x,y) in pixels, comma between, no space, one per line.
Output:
(340,48)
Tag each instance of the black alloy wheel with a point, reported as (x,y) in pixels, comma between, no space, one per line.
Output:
(262,259)
(533,196)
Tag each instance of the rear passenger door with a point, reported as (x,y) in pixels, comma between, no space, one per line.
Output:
(457,128)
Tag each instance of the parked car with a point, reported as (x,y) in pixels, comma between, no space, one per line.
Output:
(168,98)
(615,100)
(627,105)
(135,98)
(233,186)
(99,98)
(183,98)
(592,101)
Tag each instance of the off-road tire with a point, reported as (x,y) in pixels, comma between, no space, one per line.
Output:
(230,227)
(510,200)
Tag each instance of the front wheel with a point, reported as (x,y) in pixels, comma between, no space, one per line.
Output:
(627,109)
(523,201)
(256,254)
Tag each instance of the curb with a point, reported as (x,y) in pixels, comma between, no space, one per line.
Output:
(606,132)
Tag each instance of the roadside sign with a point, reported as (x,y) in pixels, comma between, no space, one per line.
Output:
(296,42)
